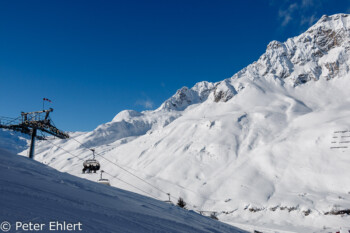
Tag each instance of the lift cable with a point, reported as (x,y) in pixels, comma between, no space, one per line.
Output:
(103,152)
(133,174)
(131,185)
(119,166)
(35,121)
(113,177)
(73,156)
(81,143)
(110,161)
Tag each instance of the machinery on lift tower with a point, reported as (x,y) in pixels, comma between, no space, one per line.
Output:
(29,123)
(91,165)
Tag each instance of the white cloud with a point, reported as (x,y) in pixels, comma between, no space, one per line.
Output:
(286,19)
(307,3)
(299,12)
(308,20)
(286,15)
(148,104)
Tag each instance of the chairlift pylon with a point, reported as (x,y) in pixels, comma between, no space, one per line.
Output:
(169,201)
(103,181)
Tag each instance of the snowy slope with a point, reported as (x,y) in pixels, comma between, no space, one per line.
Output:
(256,147)
(32,192)
(13,141)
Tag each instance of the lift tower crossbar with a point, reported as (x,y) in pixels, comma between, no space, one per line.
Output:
(29,123)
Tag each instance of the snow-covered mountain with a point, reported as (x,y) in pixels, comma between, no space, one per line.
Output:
(32,193)
(256,147)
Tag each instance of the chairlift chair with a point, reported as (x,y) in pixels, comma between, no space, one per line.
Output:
(91,165)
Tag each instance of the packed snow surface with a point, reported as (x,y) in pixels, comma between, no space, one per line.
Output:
(266,147)
(34,193)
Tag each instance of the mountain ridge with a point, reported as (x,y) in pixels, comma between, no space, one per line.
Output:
(319,44)
(254,147)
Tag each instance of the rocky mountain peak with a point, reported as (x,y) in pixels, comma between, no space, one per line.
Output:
(187,96)
(320,52)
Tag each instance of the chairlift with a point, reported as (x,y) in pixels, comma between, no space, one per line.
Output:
(91,165)
(103,181)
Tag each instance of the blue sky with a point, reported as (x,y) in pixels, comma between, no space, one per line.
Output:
(94,59)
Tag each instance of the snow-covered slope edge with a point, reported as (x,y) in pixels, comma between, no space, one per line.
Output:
(32,192)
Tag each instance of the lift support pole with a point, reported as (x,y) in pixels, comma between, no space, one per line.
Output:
(32,144)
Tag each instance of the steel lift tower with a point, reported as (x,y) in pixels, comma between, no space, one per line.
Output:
(29,123)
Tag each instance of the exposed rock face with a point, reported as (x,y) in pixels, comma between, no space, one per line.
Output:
(185,96)
(223,91)
(320,52)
